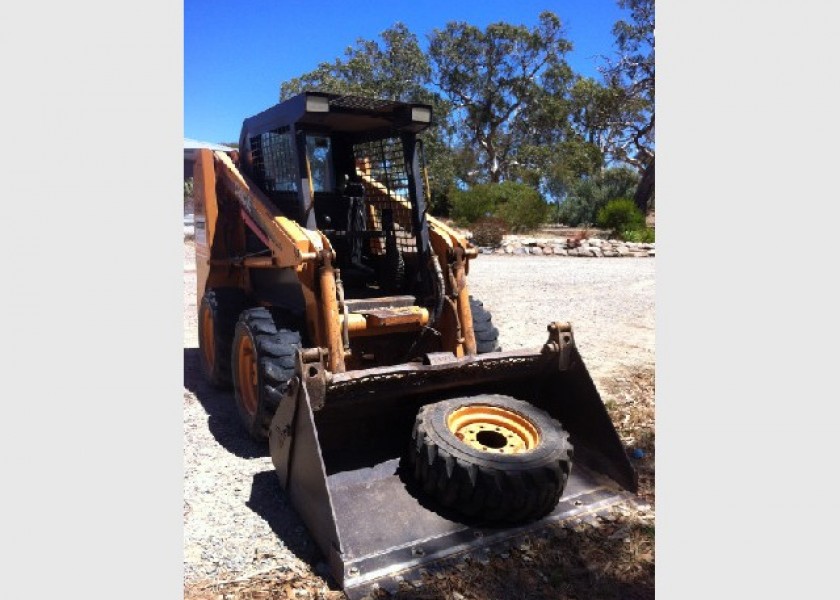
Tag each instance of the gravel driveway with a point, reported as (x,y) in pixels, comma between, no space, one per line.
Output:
(236,520)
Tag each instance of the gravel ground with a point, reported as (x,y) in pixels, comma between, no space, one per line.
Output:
(236,521)
(609,301)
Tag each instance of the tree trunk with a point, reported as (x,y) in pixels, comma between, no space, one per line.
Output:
(645,189)
(495,171)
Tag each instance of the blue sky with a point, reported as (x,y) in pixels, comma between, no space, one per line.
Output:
(236,54)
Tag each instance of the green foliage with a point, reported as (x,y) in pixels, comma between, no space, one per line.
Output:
(620,215)
(574,211)
(440,169)
(560,146)
(393,67)
(646,235)
(468,206)
(520,206)
(555,167)
(189,186)
(589,195)
(509,108)
(631,76)
(489,231)
(593,109)
(494,78)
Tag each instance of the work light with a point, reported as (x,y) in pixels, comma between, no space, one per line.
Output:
(421,114)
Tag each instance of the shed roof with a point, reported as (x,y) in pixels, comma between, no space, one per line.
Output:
(190,144)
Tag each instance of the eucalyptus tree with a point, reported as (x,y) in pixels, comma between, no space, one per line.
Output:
(493,79)
(393,67)
(631,77)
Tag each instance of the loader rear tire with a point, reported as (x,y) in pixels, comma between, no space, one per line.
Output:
(217,316)
(486,334)
(263,362)
(392,272)
(490,457)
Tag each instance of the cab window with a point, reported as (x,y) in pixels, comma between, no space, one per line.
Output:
(319,151)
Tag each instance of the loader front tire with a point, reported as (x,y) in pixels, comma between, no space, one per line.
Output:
(263,362)
(486,334)
(490,457)
(217,316)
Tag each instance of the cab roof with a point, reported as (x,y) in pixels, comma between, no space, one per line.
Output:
(340,113)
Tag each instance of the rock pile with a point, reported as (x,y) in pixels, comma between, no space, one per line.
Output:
(592,247)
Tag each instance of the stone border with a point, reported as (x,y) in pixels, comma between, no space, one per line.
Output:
(592,247)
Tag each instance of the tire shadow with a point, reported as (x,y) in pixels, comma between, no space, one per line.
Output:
(405,473)
(222,416)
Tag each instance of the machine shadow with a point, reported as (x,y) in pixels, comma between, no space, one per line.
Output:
(270,502)
(267,499)
(222,417)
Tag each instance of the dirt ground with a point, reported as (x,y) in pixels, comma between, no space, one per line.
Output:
(242,539)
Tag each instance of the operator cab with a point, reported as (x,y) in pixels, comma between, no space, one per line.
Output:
(352,168)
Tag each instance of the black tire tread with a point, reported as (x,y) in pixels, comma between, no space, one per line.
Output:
(392,272)
(486,334)
(494,494)
(276,345)
(225,304)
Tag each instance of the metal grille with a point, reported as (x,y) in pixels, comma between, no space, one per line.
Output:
(365,104)
(380,165)
(273,159)
(423,175)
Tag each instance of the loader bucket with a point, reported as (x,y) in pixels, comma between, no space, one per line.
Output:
(337,442)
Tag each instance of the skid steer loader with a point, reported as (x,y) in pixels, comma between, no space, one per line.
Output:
(339,311)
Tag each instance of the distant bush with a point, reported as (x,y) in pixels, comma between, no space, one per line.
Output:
(589,195)
(468,206)
(520,206)
(619,216)
(575,211)
(646,235)
(489,231)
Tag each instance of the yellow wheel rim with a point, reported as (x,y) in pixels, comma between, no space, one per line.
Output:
(493,429)
(208,341)
(246,365)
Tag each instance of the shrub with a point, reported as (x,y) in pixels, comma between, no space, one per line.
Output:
(646,235)
(489,231)
(189,186)
(620,215)
(574,212)
(589,195)
(468,206)
(520,206)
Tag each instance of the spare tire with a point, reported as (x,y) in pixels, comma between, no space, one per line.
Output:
(490,457)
